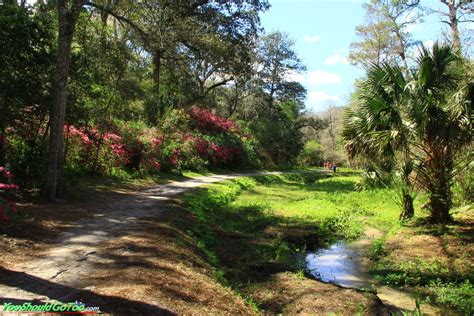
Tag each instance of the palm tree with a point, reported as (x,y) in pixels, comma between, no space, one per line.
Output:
(376,129)
(421,124)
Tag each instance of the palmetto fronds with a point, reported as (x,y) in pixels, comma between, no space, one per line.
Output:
(420,123)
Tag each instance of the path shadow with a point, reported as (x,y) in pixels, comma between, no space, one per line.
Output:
(64,293)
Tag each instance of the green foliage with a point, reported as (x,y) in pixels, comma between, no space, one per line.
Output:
(459,296)
(312,154)
(26,61)
(26,159)
(378,248)
(463,187)
(393,117)
(278,136)
(343,225)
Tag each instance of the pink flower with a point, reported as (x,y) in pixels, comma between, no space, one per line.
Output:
(5,186)
(210,123)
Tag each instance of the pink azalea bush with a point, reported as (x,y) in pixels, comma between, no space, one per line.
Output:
(7,206)
(195,139)
(92,149)
(208,123)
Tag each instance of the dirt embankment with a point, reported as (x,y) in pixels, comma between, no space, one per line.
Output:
(132,252)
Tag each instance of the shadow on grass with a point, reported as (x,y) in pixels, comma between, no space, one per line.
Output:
(249,242)
(311,181)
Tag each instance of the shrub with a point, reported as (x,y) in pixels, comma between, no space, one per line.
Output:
(312,154)
(458,296)
(193,140)
(344,225)
(209,123)
(89,150)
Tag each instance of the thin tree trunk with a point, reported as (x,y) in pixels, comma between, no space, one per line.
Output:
(156,101)
(67,22)
(453,22)
(408,209)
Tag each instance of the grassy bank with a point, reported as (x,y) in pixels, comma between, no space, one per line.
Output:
(251,229)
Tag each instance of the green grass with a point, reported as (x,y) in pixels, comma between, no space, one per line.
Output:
(269,218)
(325,198)
(264,215)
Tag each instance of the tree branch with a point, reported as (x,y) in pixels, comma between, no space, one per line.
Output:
(119,17)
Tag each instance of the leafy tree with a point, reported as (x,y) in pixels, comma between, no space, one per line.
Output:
(204,44)
(279,102)
(384,38)
(276,59)
(312,154)
(26,61)
(421,124)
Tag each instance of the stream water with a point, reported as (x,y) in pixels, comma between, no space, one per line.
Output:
(347,264)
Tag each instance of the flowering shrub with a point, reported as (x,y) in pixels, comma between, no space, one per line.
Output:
(206,122)
(194,140)
(99,152)
(7,206)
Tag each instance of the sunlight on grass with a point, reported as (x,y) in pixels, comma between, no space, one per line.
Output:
(325,198)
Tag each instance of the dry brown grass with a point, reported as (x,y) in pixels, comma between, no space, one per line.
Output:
(289,294)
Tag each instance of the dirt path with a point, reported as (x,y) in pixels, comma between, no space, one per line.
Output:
(59,274)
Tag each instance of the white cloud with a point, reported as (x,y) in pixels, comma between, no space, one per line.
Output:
(312,38)
(293,75)
(319,77)
(338,57)
(319,97)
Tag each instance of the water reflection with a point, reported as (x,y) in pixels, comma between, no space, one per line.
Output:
(337,264)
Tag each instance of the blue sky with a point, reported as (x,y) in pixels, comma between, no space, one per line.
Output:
(322,31)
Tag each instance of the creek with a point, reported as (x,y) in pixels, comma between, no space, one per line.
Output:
(348,265)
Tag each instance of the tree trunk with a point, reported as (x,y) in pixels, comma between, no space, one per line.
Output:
(453,22)
(154,106)
(408,209)
(439,168)
(67,22)
(440,199)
